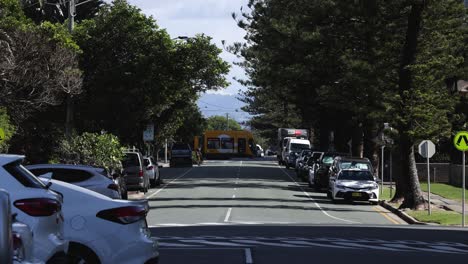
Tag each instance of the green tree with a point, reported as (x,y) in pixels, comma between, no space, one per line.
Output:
(146,78)
(222,123)
(102,150)
(7,128)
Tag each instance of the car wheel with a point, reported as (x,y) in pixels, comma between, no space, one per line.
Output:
(79,254)
(374,203)
(153,182)
(287,166)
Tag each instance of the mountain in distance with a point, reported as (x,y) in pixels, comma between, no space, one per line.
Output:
(222,104)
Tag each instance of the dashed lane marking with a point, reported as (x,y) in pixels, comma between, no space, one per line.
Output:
(228,214)
(248,256)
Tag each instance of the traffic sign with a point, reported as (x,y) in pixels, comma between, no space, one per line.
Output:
(460,141)
(2,135)
(426,149)
(148,134)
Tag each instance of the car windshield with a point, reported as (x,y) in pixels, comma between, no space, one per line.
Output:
(180,147)
(131,160)
(362,165)
(355,175)
(327,160)
(297,147)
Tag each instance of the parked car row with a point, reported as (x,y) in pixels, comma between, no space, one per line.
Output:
(60,222)
(342,176)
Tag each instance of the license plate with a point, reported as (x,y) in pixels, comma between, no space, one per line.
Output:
(356,194)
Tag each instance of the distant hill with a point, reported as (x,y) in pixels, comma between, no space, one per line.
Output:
(220,104)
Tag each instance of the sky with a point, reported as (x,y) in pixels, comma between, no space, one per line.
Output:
(191,17)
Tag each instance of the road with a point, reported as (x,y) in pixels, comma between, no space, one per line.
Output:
(253,211)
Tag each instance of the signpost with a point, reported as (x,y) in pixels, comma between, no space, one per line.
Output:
(427,149)
(460,141)
(148,136)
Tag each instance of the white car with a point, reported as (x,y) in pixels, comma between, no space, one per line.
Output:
(152,168)
(354,185)
(92,178)
(105,230)
(36,206)
(23,244)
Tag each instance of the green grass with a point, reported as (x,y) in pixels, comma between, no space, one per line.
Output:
(445,190)
(437,216)
(386,193)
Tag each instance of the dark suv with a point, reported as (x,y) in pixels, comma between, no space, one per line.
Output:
(136,176)
(322,174)
(181,153)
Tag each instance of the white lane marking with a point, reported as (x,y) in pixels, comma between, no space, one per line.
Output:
(228,214)
(153,194)
(383,247)
(206,242)
(405,247)
(450,249)
(248,256)
(253,242)
(164,244)
(315,203)
(305,243)
(235,189)
(233,196)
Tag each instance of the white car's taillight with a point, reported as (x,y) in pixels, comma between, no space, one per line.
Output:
(18,248)
(39,206)
(123,215)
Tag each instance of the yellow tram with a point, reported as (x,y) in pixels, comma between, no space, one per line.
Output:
(225,144)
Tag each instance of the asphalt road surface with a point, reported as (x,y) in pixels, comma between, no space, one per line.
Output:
(253,211)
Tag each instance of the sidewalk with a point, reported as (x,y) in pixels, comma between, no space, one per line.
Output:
(445,203)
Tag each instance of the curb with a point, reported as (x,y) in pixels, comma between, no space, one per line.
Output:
(408,219)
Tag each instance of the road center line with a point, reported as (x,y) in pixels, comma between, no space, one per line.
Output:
(248,256)
(153,194)
(384,214)
(315,203)
(228,214)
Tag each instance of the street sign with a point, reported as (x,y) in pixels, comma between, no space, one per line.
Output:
(148,133)
(426,149)
(2,135)
(460,141)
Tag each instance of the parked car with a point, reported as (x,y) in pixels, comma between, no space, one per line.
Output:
(92,178)
(36,206)
(313,163)
(259,151)
(181,153)
(341,163)
(153,169)
(23,244)
(105,230)
(301,160)
(6,246)
(292,147)
(322,175)
(354,185)
(136,177)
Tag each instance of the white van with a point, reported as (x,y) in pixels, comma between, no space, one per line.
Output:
(291,149)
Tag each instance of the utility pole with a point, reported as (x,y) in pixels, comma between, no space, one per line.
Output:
(69,115)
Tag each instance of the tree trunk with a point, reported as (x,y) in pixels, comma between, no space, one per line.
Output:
(408,183)
(371,148)
(357,141)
